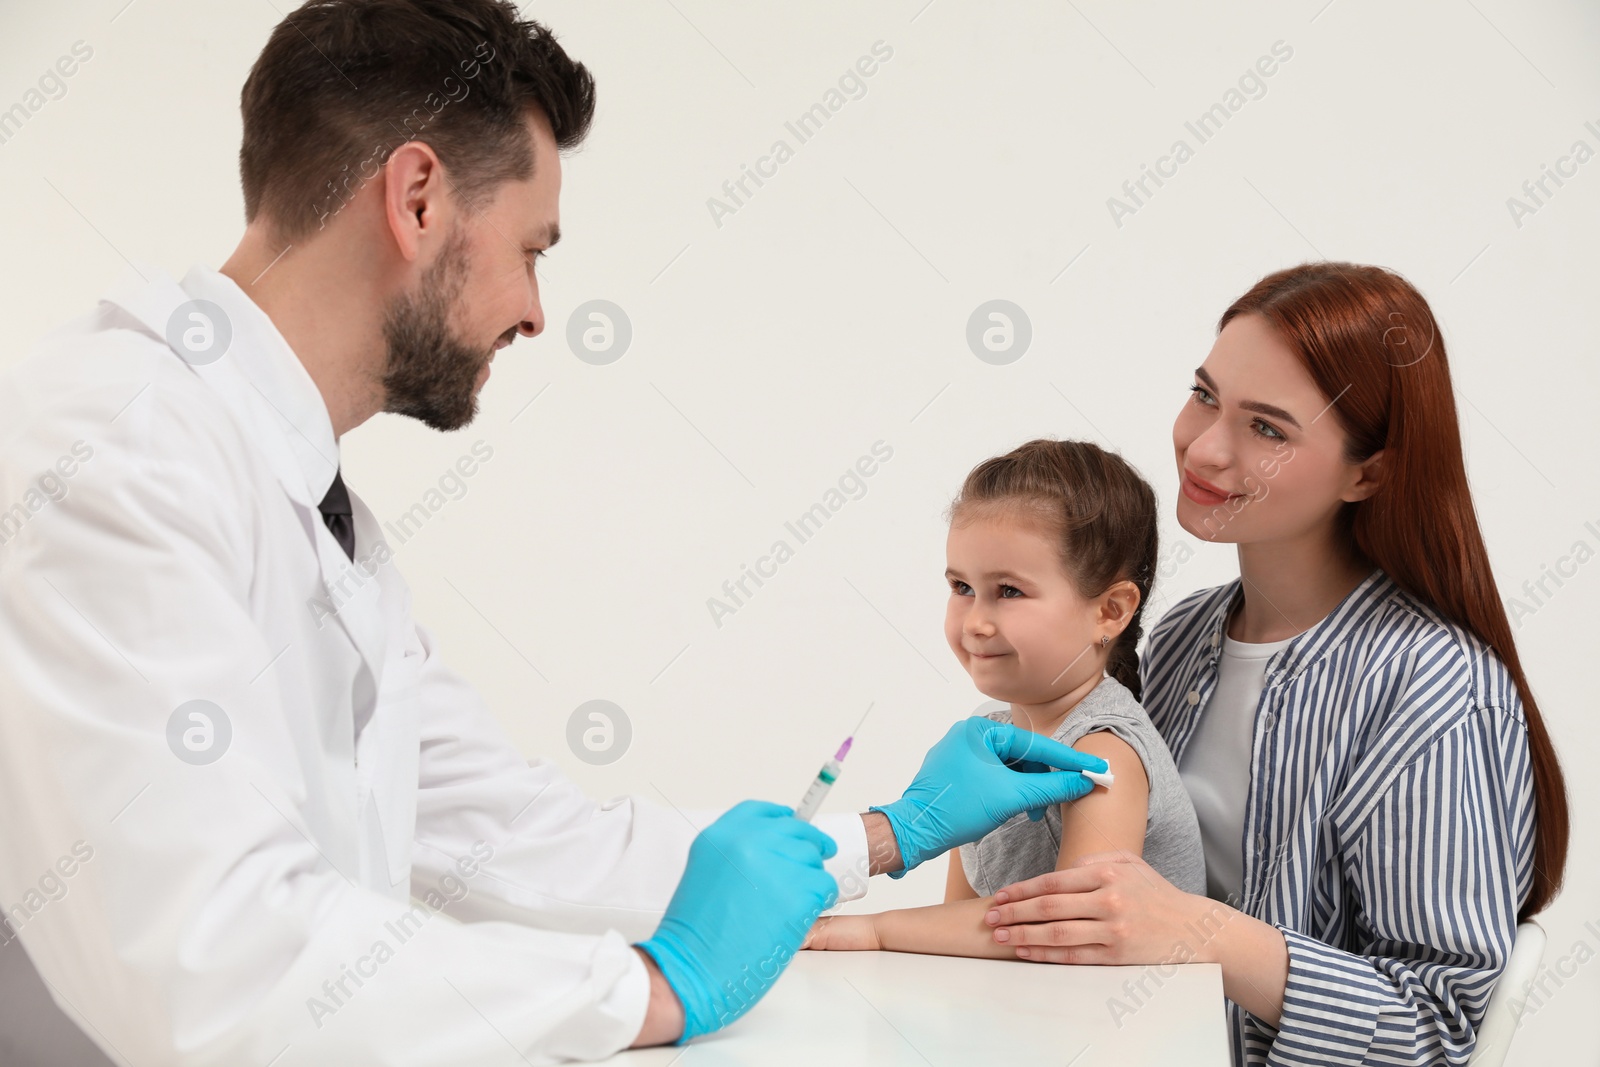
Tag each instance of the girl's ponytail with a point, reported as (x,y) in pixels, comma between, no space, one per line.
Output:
(1124,662)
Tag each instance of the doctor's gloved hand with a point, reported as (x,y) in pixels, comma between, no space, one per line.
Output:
(965,788)
(753,886)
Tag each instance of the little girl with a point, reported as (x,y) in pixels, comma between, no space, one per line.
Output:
(1051,553)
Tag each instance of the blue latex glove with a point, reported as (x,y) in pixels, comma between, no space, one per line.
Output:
(965,787)
(753,886)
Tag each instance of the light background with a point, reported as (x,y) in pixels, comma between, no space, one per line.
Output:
(829,312)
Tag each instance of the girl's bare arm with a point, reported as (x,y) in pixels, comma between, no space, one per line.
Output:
(1106,819)
(954,928)
(1110,818)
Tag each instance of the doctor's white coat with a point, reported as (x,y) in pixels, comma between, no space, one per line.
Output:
(160,544)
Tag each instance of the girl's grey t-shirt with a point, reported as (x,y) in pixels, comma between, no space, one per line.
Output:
(1022,848)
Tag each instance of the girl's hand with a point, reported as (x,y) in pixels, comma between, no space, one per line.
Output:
(1107,908)
(843,933)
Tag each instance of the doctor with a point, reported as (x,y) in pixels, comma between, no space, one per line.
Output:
(247,815)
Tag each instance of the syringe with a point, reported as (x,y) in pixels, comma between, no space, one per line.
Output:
(824,781)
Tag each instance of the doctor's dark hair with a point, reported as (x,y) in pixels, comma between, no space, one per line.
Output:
(1369,340)
(342,83)
(1101,513)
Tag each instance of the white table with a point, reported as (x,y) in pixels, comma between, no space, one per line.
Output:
(838,1009)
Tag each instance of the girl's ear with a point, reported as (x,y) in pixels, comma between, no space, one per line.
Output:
(1117,607)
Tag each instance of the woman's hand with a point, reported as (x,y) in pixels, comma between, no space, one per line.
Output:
(843,933)
(1113,908)
(1107,908)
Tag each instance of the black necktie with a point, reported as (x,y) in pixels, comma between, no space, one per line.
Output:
(335,508)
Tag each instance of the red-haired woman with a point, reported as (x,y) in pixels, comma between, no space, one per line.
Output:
(1378,796)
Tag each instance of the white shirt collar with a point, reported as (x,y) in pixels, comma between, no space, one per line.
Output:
(266,361)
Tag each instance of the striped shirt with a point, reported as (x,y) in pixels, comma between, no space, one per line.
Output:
(1389,827)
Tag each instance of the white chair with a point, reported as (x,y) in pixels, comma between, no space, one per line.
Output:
(1510,995)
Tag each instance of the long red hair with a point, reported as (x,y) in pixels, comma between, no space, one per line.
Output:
(1371,343)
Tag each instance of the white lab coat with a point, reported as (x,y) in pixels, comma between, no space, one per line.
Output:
(261,908)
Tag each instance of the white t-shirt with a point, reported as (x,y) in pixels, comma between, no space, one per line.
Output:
(1216,764)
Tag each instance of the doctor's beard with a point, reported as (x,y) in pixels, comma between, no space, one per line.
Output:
(430,373)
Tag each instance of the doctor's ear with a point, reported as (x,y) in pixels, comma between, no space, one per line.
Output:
(1118,605)
(413,190)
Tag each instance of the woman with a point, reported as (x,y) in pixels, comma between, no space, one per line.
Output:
(1379,798)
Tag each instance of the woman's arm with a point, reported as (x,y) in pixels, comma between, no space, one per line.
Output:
(1456,808)
(1446,811)
(1114,908)
(1111,822)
